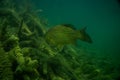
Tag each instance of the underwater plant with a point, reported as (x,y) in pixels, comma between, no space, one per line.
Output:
(6,72)
(28,51)
(25,66)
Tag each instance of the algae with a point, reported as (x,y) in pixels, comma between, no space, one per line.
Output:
(25,54)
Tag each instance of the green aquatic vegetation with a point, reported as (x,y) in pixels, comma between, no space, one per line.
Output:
(29,52)
(25,65)
(45,48)
(10,43)
(6,3)
(58,66)
(34,23)
(6,72)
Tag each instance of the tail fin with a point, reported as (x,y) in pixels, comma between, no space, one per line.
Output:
(84,36)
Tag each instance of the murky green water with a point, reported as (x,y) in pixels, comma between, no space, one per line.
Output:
(33,48)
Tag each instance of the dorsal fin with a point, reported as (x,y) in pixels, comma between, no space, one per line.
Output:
(69,25)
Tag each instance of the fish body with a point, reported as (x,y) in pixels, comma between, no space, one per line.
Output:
(65,34)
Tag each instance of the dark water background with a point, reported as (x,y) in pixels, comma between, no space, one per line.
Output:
(102,18)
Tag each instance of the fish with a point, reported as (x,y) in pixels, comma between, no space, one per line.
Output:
(64,34)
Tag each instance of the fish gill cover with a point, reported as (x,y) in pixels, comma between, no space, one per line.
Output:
(25,54)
